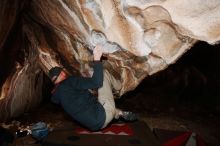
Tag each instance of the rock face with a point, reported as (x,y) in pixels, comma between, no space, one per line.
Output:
(140,37)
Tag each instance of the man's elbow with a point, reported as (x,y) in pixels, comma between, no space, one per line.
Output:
(98,84)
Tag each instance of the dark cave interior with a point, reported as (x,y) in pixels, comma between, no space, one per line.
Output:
(193,82)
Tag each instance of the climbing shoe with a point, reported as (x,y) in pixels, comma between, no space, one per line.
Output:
(129,116)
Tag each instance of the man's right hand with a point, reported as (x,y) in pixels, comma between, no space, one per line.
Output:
(97,52)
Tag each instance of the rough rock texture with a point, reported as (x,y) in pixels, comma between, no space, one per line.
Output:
(140,37)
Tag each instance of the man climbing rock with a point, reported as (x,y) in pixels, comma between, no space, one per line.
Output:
(73,94)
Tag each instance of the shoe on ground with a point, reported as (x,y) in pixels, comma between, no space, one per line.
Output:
(129,116)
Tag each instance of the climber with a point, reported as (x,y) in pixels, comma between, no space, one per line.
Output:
(73,94)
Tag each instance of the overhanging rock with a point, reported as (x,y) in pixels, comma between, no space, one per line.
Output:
(140,37)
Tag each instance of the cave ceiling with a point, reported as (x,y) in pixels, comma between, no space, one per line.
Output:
(140,38)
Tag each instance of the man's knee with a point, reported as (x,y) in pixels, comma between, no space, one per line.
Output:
(116,84)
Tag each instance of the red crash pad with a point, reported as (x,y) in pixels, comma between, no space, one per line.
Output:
(117,134)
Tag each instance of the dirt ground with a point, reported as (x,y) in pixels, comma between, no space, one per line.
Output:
(170,114)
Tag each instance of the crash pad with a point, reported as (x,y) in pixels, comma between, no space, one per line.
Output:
(178,138)
(116,134)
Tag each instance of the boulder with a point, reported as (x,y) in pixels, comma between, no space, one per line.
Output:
(140,38)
